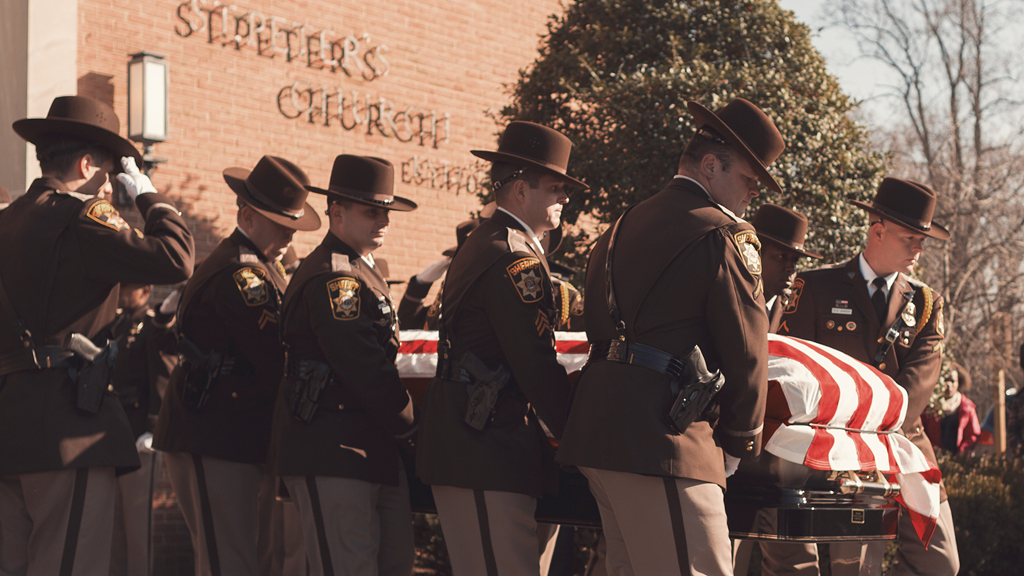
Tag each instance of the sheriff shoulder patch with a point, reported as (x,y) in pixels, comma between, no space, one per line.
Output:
(252,284)
(749,247)
(344,294)
(794,296)
(104,213)
(527,278)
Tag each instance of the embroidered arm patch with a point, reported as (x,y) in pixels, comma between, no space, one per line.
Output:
(253,285)
(527,277)
(750,250)
(344,295)
(794,296)
(104,213)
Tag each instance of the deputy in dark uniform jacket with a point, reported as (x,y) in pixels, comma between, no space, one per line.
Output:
(145,357)
(63,252)
(215,422)
(782,233)
(850,307)
(412,313)
(497,306)
(686,272)
(339,452)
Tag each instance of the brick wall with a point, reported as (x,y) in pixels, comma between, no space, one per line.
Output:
(449,57)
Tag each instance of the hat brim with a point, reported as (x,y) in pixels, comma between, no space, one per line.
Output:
(308,222)
(549,169)
(781,243)
(703,116)
(449,252)
(35,130)
(936,231)
(399,205)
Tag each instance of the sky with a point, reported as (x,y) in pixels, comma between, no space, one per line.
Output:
(859,77)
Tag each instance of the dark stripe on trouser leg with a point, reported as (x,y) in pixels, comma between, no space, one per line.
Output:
(485,533)
(675,512)
(67,560)
(321,532)
(204,506)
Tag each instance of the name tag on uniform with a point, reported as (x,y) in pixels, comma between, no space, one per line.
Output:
(843,311)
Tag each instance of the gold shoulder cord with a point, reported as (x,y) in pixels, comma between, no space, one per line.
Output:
(564,312)
(928,300)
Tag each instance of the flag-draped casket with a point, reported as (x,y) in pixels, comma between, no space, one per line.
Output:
(834,466)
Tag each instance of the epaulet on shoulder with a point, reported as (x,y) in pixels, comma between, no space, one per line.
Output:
(247,256)
(917,283)
(517,241)
(81,197)
(340,263)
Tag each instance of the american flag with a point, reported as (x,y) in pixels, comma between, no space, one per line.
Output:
(825,410)
(828,411)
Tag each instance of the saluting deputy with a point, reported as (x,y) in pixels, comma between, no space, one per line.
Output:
(852,307)
(215,420)
(63,252)
(677,270)
(499,390)
(782,233)
(343,414)
(412,314)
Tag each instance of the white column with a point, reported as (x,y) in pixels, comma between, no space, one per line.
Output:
(38,62)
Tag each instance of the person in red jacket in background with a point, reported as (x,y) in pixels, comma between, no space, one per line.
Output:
(954,425)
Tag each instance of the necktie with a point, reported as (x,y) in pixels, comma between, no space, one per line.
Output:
(879,301)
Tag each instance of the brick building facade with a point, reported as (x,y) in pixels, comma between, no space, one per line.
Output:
(414,82)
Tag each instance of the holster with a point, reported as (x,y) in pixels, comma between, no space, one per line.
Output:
(307,386)
(697,388)
(201,372)
(93,379)
(485,391)
(694,385)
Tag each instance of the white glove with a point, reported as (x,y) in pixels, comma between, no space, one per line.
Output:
(731,464)
(170,304)
(144,443)
(134,182)
(434,272)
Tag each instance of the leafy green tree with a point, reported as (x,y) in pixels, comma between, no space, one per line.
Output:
(615,76)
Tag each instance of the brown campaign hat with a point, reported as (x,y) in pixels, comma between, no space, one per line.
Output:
(366,180)
(84,118)
(276,188)
(784,227)
(750,132)
(461,233)
(907,203)
(530,145)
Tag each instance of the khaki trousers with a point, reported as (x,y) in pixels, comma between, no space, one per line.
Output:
(941,558)
(354,528)
(488,533)
(664,526)
(57,523)
(778,558)
(227,507)
(131,554)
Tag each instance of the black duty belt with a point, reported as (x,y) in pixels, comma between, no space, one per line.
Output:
(39,358)
(637,354)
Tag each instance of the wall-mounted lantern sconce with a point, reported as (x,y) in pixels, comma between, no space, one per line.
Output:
(147,104)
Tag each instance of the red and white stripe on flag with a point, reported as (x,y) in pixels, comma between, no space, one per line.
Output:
(829,411)
(417,354)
